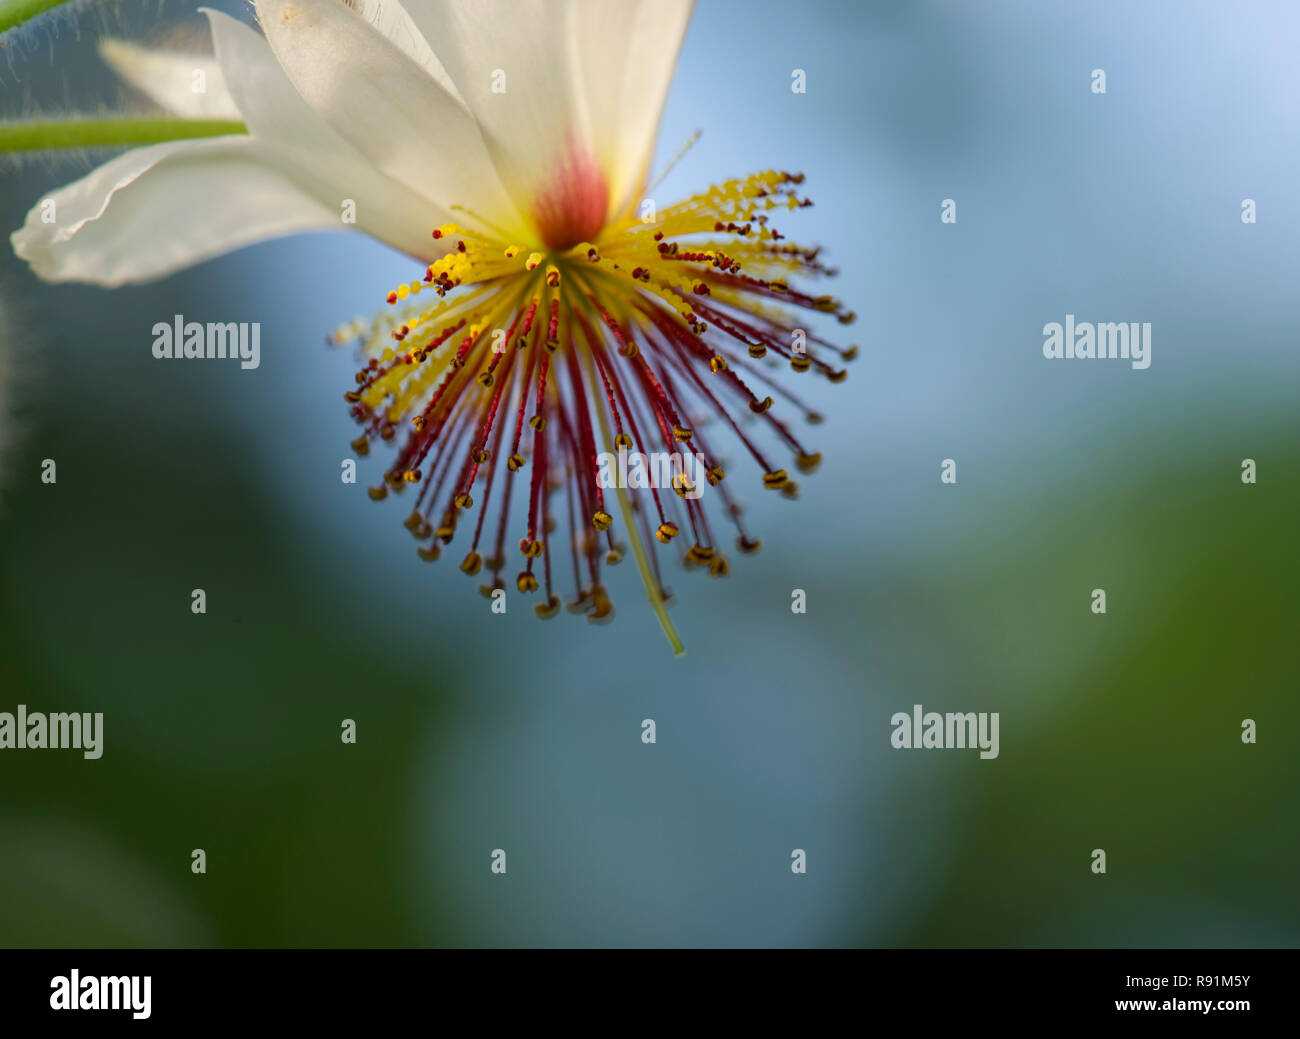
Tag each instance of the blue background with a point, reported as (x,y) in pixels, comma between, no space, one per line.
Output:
(479,732)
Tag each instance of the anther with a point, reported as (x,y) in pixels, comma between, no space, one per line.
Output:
(531,548)
(700,554)
(666,532)
(808,463)
(472,563)
(547,610)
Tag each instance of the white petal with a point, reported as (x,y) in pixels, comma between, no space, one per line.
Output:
(386,104)
(625,54)
(168,79)
(308,150)
(155,210)
(511,61)
(579,75)
(391,19)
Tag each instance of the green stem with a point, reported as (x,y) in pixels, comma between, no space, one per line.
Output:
(14,12)
(107,133)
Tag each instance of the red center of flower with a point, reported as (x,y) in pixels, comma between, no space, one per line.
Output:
(571,206)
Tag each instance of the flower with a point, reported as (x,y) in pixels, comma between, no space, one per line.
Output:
(559,320)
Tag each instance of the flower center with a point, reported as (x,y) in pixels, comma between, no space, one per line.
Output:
(571,206)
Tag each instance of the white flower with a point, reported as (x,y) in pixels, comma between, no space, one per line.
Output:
(506,145)
(406,110)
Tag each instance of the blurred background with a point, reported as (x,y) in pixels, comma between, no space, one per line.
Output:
(478,732)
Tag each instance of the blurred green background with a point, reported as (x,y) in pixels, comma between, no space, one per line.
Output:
(479,732)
